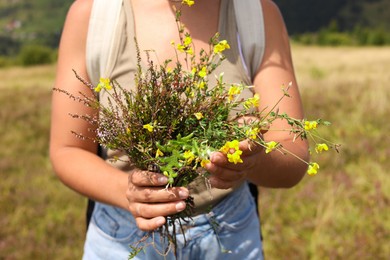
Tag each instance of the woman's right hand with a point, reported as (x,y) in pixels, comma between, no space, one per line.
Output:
(149,201)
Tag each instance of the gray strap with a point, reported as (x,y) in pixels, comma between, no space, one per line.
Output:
(101,50)
(251,34)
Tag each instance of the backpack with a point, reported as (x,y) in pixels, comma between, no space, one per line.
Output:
(102,50)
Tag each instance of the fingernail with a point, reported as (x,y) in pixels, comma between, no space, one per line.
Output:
(212,157)
(183,194)
(162,180)
(160,221)
(180,206)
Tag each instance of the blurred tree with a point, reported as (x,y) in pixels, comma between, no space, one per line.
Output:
(373,14)
(303,16)
(41,21)
(8,46)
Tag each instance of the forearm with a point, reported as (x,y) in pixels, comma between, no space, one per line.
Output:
(91,176)
(280,170)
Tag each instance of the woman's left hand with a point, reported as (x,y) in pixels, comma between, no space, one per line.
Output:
(225,175)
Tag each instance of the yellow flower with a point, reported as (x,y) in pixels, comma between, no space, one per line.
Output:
(188,2)
(234,145)
(148,127)
(221,46)
(201,85)
(104,83)
(235,157)
(321,147)
(187,40)
(203,72)
(233,91)
(181,47)
(159,153)
(185,47)
(252,102)
(313,168)
(270,146)
(224,149)
(189,50)
(189,156)
(232,151)
(198,115)
(309,125)
(193,71)
(204,162)
(252,132)
(128,131)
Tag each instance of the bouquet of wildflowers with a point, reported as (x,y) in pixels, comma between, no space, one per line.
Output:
(174,119)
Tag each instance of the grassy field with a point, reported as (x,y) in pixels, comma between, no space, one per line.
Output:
(342,213)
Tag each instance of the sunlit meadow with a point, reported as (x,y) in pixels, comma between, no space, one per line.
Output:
(341,213)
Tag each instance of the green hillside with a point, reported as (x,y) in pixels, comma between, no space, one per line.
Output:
(26,21)
(40,21)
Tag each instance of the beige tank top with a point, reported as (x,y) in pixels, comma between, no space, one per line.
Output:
(234,72)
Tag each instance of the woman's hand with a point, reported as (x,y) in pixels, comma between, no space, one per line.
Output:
(225,174)
(149,200)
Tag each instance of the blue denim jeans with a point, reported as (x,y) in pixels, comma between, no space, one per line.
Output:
(231,230)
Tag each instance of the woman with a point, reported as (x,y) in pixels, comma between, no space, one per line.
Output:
(132,201)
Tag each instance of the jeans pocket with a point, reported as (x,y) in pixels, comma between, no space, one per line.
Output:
(239,212)
(116,224)
(240,221)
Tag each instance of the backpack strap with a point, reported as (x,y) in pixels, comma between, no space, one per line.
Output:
(101,51)
(251,33)
(102,39)
(102,44)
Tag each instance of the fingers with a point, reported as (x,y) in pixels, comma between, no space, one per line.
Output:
(149,187)
(149,200)
(248,157)
(150,224)
(150,211)
(224,174)
(224,178)
(146,178)
(156,194)
(150,216)
(219,165)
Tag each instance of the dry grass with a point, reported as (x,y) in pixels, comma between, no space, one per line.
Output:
(27,78)
(342,213)
(361,74)
(40,218)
